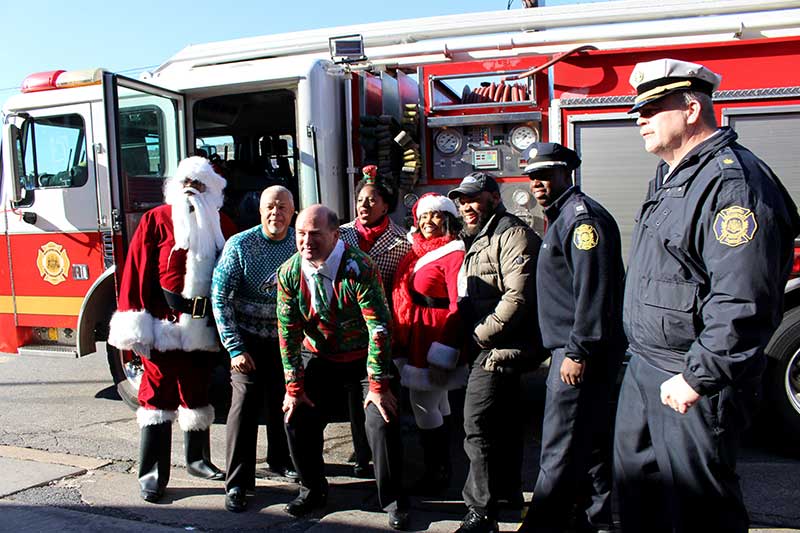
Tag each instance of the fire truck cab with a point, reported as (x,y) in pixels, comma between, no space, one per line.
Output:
(84,154)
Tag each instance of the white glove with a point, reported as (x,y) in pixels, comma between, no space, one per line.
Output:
(142,350)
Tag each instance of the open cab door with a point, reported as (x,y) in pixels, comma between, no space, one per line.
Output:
(145,140)
(146,130)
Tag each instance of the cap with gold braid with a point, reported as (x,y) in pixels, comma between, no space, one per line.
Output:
(656,79)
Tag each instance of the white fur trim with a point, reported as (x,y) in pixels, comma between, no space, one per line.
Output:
(153,417)
(130,327)
(413,377)
(435,202)
(199,271)
(438,253)
(197,334)
(167,336)
(188,335)
(196,419)
(442,355)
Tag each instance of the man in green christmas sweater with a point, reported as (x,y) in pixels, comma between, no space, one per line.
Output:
(331,301)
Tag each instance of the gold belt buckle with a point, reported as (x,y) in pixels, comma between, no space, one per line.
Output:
(201,300)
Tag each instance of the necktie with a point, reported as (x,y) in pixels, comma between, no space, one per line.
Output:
(320,295)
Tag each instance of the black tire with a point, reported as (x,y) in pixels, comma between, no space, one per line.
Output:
(127,386)
(782,379)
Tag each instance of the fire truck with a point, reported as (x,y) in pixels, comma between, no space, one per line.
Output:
(85,153)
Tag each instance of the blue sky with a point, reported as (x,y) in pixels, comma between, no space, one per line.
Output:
(41,35)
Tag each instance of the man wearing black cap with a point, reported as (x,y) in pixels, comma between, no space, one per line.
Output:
(711,252)
(579,282)
(497,300)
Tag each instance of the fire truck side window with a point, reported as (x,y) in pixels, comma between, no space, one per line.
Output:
(141,132)
(55,153)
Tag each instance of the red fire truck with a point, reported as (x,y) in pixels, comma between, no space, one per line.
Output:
(428,100)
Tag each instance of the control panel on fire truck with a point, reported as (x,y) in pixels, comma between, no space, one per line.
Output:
(459,150)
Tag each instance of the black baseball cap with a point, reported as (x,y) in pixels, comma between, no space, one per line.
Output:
(474,183)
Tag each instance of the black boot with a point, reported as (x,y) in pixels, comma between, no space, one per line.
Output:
(198,455)
(435,447)
(155,448)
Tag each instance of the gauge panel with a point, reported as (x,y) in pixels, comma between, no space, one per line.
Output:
(448,141)
(522,137)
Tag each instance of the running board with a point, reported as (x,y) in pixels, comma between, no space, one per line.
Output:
(48,350)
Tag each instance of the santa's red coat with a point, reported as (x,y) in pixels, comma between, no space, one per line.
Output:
(143,316)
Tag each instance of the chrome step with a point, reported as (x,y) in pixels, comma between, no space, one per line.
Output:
(48,350)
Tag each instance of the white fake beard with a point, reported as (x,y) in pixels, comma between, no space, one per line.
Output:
(196,225)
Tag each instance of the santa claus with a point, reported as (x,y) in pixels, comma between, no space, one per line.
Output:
(164,316)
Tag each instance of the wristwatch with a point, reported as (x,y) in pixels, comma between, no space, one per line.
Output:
(575,357)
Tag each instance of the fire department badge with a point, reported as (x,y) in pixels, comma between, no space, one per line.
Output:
(53,263)
(735,225)
(585,237)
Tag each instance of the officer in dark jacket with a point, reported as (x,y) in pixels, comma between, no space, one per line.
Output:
(711,253)
(579,282)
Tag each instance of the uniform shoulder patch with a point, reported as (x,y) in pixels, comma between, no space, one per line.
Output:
(735,225)
(585,237)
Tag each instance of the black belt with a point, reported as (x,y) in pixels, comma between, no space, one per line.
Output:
(198,306)
(429,301)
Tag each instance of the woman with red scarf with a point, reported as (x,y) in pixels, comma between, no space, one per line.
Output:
(385,242)
(427,329)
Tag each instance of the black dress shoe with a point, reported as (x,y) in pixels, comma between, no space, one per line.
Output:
(285,471)
(475,522)
(150,495)
(302,505)
(398,520)
(363,471)
(235,500)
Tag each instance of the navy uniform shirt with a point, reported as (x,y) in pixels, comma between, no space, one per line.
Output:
(580,278)
(711,253)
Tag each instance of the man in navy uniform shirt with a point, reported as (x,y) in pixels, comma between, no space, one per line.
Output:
(579,282)
(711,253)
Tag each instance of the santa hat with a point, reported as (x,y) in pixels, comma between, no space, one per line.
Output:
(432,201)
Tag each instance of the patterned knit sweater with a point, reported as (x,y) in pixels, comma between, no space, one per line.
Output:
(244,287)
(358,325)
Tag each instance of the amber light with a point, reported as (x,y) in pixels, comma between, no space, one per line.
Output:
(61,79)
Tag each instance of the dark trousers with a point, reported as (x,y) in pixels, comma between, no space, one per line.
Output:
(254,393)
(493,438)
(674,472)
(575,465)
(325,384)
(358,430)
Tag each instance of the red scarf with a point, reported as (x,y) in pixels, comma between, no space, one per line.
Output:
(368,235)
(401,293)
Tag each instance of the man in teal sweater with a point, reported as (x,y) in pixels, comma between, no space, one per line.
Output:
(243,299)
(330,299)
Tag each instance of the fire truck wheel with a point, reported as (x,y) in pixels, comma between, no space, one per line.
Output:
(782,379)
(126,369)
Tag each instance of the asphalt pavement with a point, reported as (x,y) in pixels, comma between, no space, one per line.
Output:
(68,449)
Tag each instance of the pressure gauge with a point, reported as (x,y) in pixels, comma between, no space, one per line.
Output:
(410,199)
(448,141)
(522,137)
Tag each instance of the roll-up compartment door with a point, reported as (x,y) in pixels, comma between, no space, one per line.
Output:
(615,168)
(771,133)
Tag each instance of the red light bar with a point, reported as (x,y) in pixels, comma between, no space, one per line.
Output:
(40,81)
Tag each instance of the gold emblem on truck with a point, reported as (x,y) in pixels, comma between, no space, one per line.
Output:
(53,263)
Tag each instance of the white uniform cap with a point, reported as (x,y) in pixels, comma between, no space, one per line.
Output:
(656,79)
